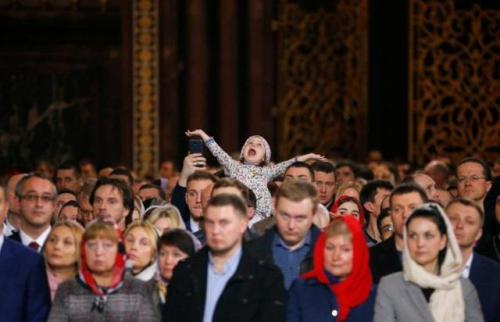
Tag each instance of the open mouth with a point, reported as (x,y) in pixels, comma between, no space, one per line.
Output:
(252,152)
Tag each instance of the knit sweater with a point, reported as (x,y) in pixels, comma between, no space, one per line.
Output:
(130,302)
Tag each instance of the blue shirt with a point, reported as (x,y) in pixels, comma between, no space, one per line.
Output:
(216,282)
(289,260)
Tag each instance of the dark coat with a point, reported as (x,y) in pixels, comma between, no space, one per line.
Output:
(179,200)
(23,280)
(310,301)
(384,259)
(263,247)
(485,275)
(254,293)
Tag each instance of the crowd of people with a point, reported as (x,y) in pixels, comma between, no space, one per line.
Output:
(307,239)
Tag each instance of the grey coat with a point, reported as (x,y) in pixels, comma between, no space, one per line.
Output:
(403,301)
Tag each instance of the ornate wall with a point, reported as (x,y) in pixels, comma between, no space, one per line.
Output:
(322,77)
(454,80)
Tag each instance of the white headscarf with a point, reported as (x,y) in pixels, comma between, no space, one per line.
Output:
(267,148)
(447,302)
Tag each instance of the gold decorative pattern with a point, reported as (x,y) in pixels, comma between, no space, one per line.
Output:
(322,78)
(454,81)
(145,86)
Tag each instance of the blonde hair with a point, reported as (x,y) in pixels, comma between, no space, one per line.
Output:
(169,212)
(348,185)
(150,231)
(76,231)
(338,227)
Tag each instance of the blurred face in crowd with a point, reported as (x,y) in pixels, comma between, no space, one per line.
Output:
(194,192)
(139,248)
(101,256)
(350,192)
(60,250)
(338,255)
(425,241)
(401,207)
(11,193)
(167,169)
(348,208)
(66,179)
(467,224)
(472,183)
(298,173)
(344,174)
(325,183)
(163,224)
(108,204)
(386,228)
(375,206)
(428,184)
(382,172)
(224,229)
(88,171)
(169,257)
(69,212)
(63,198)
(294,220)
(37,202)
(149,193)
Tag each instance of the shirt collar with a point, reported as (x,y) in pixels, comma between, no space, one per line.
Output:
(467,266)
(278,241)
(26,240)
(230,265)
(1,241)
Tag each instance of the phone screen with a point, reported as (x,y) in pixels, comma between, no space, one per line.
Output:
(195,146)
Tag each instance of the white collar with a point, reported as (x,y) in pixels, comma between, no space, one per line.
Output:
(40,240)
(148,273)
(467,266)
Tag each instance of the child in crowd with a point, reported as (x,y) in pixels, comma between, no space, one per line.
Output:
(253,169)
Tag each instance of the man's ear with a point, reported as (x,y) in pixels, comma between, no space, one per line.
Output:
(370,206)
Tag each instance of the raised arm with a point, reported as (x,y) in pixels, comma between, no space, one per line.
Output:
(280,168)
(222,157)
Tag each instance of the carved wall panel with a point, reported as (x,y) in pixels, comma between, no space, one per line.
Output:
(145,86)
(322,77)
(454,80)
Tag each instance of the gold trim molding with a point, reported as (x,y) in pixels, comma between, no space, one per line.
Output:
(145,86)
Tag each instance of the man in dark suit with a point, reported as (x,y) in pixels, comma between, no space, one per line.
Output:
(467,220)
(36,199)
(385,257)
(290,243)
(223,281)
(23,280)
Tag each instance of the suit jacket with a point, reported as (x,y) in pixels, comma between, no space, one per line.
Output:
(384,259)
(254,293)
(23,280)
(312,301)
(485,275)
(402,301)
(263,247)
(179,200)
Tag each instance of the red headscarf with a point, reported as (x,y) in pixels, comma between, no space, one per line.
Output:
(118,272)
(355,288)
(344,199)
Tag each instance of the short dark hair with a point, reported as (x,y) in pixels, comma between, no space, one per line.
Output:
(156,187)
(121,171)
(231,182)
(201,175)
(486,168)
(406,188)
(226,199)
(300,164)
(350,164)
(323,166)
(69,166)
(383,214)
(370,189)
(178,238)
(122,187)
(22,183)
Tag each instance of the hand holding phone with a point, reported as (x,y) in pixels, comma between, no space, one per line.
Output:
(195,146)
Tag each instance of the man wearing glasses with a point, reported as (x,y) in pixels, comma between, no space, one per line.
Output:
(36,198)
(474,180)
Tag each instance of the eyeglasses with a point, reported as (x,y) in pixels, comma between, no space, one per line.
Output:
(106,245)
(35,198)
(471,179)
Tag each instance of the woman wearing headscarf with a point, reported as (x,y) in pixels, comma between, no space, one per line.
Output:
(101,291)
(339,288)
(430,288)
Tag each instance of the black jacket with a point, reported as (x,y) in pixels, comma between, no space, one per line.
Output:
(384,259)
(263,247)
(254,293)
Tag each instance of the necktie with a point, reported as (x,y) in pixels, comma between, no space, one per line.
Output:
(34,246)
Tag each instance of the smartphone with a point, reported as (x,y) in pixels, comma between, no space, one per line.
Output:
(195,146)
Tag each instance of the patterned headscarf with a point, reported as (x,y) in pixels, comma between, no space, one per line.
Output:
(267,148)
